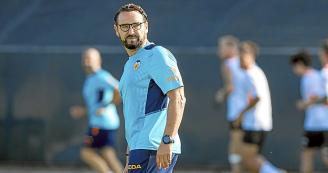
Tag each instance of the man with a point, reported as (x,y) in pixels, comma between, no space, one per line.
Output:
(101,94)
(256,117)
(233,77)
(323,56)
(153,96)
(316,120)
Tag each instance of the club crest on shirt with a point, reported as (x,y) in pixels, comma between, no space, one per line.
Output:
(136,65)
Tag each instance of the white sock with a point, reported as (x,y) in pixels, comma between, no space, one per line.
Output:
(267,167)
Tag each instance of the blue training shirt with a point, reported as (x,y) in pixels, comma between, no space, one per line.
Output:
(148,76)
(98,92)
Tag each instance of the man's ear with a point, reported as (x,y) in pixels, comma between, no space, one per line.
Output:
(146,26)
(116,30)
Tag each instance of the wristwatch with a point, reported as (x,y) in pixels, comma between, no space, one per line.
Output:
(166,139)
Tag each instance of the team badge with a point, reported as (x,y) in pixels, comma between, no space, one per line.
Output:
(136,65)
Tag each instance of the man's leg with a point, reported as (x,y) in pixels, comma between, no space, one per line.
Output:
(108,153)
(144,161)
(252,160)
(312,140)
(250,157)
(234,150)
(152,167)
(324,150)
(324,155)
(307,160)
(92,159)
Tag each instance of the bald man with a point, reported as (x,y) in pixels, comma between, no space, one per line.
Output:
(233,78)
(101,97)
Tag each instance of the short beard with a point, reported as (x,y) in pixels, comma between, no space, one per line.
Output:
(132,46)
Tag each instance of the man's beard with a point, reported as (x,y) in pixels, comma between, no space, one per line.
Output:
(134,45)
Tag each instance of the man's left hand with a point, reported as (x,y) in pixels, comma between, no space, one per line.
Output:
(164,156)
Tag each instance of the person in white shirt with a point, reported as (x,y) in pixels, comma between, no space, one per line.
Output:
(323,57)
(233,77)
(316,112)
(256,117)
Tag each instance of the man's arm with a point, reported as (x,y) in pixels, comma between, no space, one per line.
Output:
(175,111)
(223,93)
(116,97)
(251,104)
(77,111)
(174,117)
(112,82)
(304,104)
(126,168)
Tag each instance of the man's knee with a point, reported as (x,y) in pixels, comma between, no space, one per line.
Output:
(234,159)
(86,153)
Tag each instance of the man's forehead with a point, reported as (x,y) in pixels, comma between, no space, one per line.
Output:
(128,17)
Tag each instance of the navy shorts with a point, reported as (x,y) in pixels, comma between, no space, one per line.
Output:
(144,161)
(315,139)
(255,137)
(99,138)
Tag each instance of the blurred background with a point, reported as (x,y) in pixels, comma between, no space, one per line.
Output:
(41,77)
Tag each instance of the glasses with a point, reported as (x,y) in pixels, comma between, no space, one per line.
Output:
(135,26)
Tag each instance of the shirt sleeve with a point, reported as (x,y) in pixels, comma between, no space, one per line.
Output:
(251,89)
(111,81)
(164,71)
(105,95)
(314,87)
(325,83)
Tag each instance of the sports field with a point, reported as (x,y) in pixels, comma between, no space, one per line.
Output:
(79,170)
(74,170)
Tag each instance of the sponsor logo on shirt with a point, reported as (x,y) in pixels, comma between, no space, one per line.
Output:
(172,78)
(134,167)
(136,65)
(175,77)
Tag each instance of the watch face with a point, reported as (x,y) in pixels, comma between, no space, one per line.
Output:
(166,140)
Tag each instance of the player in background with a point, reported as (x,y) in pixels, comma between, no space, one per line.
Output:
(233,77)
(255,118)
(101,96)
(323,57)
(316,119)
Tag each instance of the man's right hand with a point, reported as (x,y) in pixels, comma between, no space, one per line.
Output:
(220,96)
(238,121)
(77,111)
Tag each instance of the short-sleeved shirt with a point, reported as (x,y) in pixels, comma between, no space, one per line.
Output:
(98,92)
(258,118)
(316,116)
(236,100)
(148,76)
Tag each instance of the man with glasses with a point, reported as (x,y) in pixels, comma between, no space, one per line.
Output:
(152,91)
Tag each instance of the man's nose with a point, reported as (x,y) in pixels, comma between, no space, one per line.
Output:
(131,30)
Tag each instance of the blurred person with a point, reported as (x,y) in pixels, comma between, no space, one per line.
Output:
(323,57)
(316,113)
(233,77)
(153,96)
(101,96)
(255,118)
